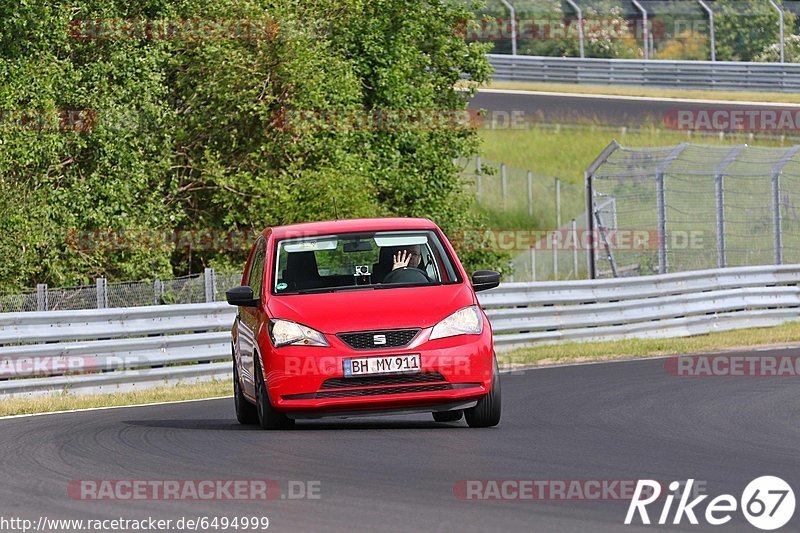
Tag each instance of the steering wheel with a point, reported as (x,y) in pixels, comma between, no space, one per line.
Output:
(406,275)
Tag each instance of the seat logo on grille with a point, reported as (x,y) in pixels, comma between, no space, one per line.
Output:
(378,339)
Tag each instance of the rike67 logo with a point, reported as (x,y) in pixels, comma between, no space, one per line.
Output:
(767,503)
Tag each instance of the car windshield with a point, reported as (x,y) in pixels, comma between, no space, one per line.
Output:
(352,261)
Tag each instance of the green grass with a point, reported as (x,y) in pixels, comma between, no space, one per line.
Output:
(567,152)
(638,348)
(747,96)
(64,402)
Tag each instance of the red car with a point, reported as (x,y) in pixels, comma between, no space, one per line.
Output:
(365,316)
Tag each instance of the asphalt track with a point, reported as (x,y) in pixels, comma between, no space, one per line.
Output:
(622,421)
(554,108)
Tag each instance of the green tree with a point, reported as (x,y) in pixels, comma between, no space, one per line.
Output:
(745,28)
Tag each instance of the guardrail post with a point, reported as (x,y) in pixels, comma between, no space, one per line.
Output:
(102,293)
(41,297)
(208,277)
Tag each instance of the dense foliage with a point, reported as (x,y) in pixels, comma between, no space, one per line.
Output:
(180,131)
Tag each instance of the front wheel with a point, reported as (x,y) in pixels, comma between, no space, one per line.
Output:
(268,417)
(487,412)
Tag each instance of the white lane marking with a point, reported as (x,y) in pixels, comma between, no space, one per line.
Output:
(113,407)
(585,363)
(640,98)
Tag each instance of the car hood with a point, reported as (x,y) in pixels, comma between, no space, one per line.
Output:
(364,310)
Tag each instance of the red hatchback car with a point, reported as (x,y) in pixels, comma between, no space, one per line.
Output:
(361,317)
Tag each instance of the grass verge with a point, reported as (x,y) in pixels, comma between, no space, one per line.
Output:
(65,402)
(566,153)
(733,96)
(572,352)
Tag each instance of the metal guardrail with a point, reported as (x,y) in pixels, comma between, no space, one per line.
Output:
(123,349)
(730,75)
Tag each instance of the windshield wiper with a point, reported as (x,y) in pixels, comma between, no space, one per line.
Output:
(395,285)
(334,289)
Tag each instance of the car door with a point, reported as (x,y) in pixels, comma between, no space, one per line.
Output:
(248,319)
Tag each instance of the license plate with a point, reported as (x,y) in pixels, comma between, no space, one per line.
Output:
(390,364)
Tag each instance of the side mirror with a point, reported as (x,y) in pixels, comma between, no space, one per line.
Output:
(485,279)
(242,297)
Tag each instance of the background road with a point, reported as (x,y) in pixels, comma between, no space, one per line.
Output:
(557,108)
(626,421)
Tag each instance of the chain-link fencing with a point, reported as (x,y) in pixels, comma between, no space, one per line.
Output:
(690,207)
(208,286)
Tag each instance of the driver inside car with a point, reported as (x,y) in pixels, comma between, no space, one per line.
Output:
(409,257)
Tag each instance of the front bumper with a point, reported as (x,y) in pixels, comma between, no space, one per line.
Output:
(455,370)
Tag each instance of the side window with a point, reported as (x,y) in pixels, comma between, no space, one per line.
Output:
(256,276)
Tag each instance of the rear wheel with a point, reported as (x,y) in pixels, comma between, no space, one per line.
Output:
(268,417)
(246,412)
(487,412)
(448,416)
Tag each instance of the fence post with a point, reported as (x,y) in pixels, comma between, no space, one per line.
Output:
(513,13)
(102,293)
(555,255)
(533,263)
(661,206)
(711,31)
(158,291)
(558,203)
(777,229)
(588,175)
(730,157)
(530,195)
(581,38)
(503,183)
(777,243)
(576,240)
(720,194)
(41,297)
(208,277)
(478,171)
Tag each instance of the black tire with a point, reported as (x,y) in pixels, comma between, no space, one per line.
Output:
(448,416)
(268,417)
(246,412)
(487,412)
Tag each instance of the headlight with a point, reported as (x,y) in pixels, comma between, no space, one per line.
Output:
(284,333)
(467,321)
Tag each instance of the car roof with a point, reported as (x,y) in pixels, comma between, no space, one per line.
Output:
(310,229)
